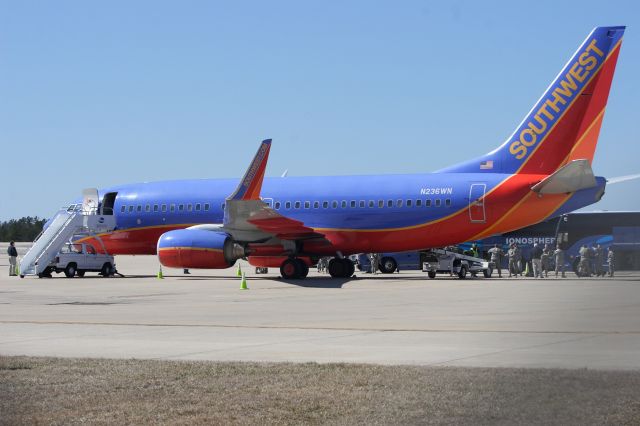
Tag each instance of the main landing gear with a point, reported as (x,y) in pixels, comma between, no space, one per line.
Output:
(341,268)
(294,268)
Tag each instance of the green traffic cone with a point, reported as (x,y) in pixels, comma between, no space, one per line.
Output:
(243,283)
(160,276)
(238,271)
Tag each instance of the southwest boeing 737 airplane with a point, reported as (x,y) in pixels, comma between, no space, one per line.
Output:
(541,171)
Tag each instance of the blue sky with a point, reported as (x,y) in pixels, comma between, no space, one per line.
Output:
(103,93)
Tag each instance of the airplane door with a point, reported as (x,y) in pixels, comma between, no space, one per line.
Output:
(476,202)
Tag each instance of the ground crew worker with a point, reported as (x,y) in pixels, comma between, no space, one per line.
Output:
(513,260)
(559,257)
(583,266)
(13,258)
(474,250)
(536,258)
(610,261)
(496,257)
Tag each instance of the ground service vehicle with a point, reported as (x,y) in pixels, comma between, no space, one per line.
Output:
(76,259)
(451,262)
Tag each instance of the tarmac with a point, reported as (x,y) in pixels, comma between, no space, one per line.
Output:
(402,318)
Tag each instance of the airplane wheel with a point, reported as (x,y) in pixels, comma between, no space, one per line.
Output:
(303,268)
(388,265)
(341,268)
(290,269)
(337,268)
(432,274)
(351,268)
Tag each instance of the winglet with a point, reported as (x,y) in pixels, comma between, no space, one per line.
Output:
(251,183)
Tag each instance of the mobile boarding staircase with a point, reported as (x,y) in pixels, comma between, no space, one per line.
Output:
(81,219)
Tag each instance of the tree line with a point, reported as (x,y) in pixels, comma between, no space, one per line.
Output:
(23,229)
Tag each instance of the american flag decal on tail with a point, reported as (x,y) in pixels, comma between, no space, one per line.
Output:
(486,165)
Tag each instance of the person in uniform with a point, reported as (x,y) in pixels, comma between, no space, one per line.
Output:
(546,260)
(373,258)
(519,267)
(496,257)
(513,260)
(583,266)
(536,259)
(559,258)
(599,255)
(611,261)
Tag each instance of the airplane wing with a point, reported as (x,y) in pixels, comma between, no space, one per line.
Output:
(248,218)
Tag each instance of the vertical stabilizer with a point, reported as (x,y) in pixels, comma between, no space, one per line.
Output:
(564,123)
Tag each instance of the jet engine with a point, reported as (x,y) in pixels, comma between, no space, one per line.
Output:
(198,248)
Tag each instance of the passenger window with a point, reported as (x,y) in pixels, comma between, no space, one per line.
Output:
(307,204)
(427,203)
(139,208)
(123,209)
(409,203)
(389,203)
(155,207)
(372,204)
(181,207)
(316,204)
(438,202)
(130,209)
(418,203)
(164,207)
(334,204)
(287,205)
(343,204)
(189,207)
(197,207)
(325,204)
(447,202)
(147,208)
(277,205)
(399,203)
(362,204)
(353,204)
(380,204)
(206,206)
(172,207)
(297,204)
(222,206)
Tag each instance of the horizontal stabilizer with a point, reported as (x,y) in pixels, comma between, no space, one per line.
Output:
(573,177)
